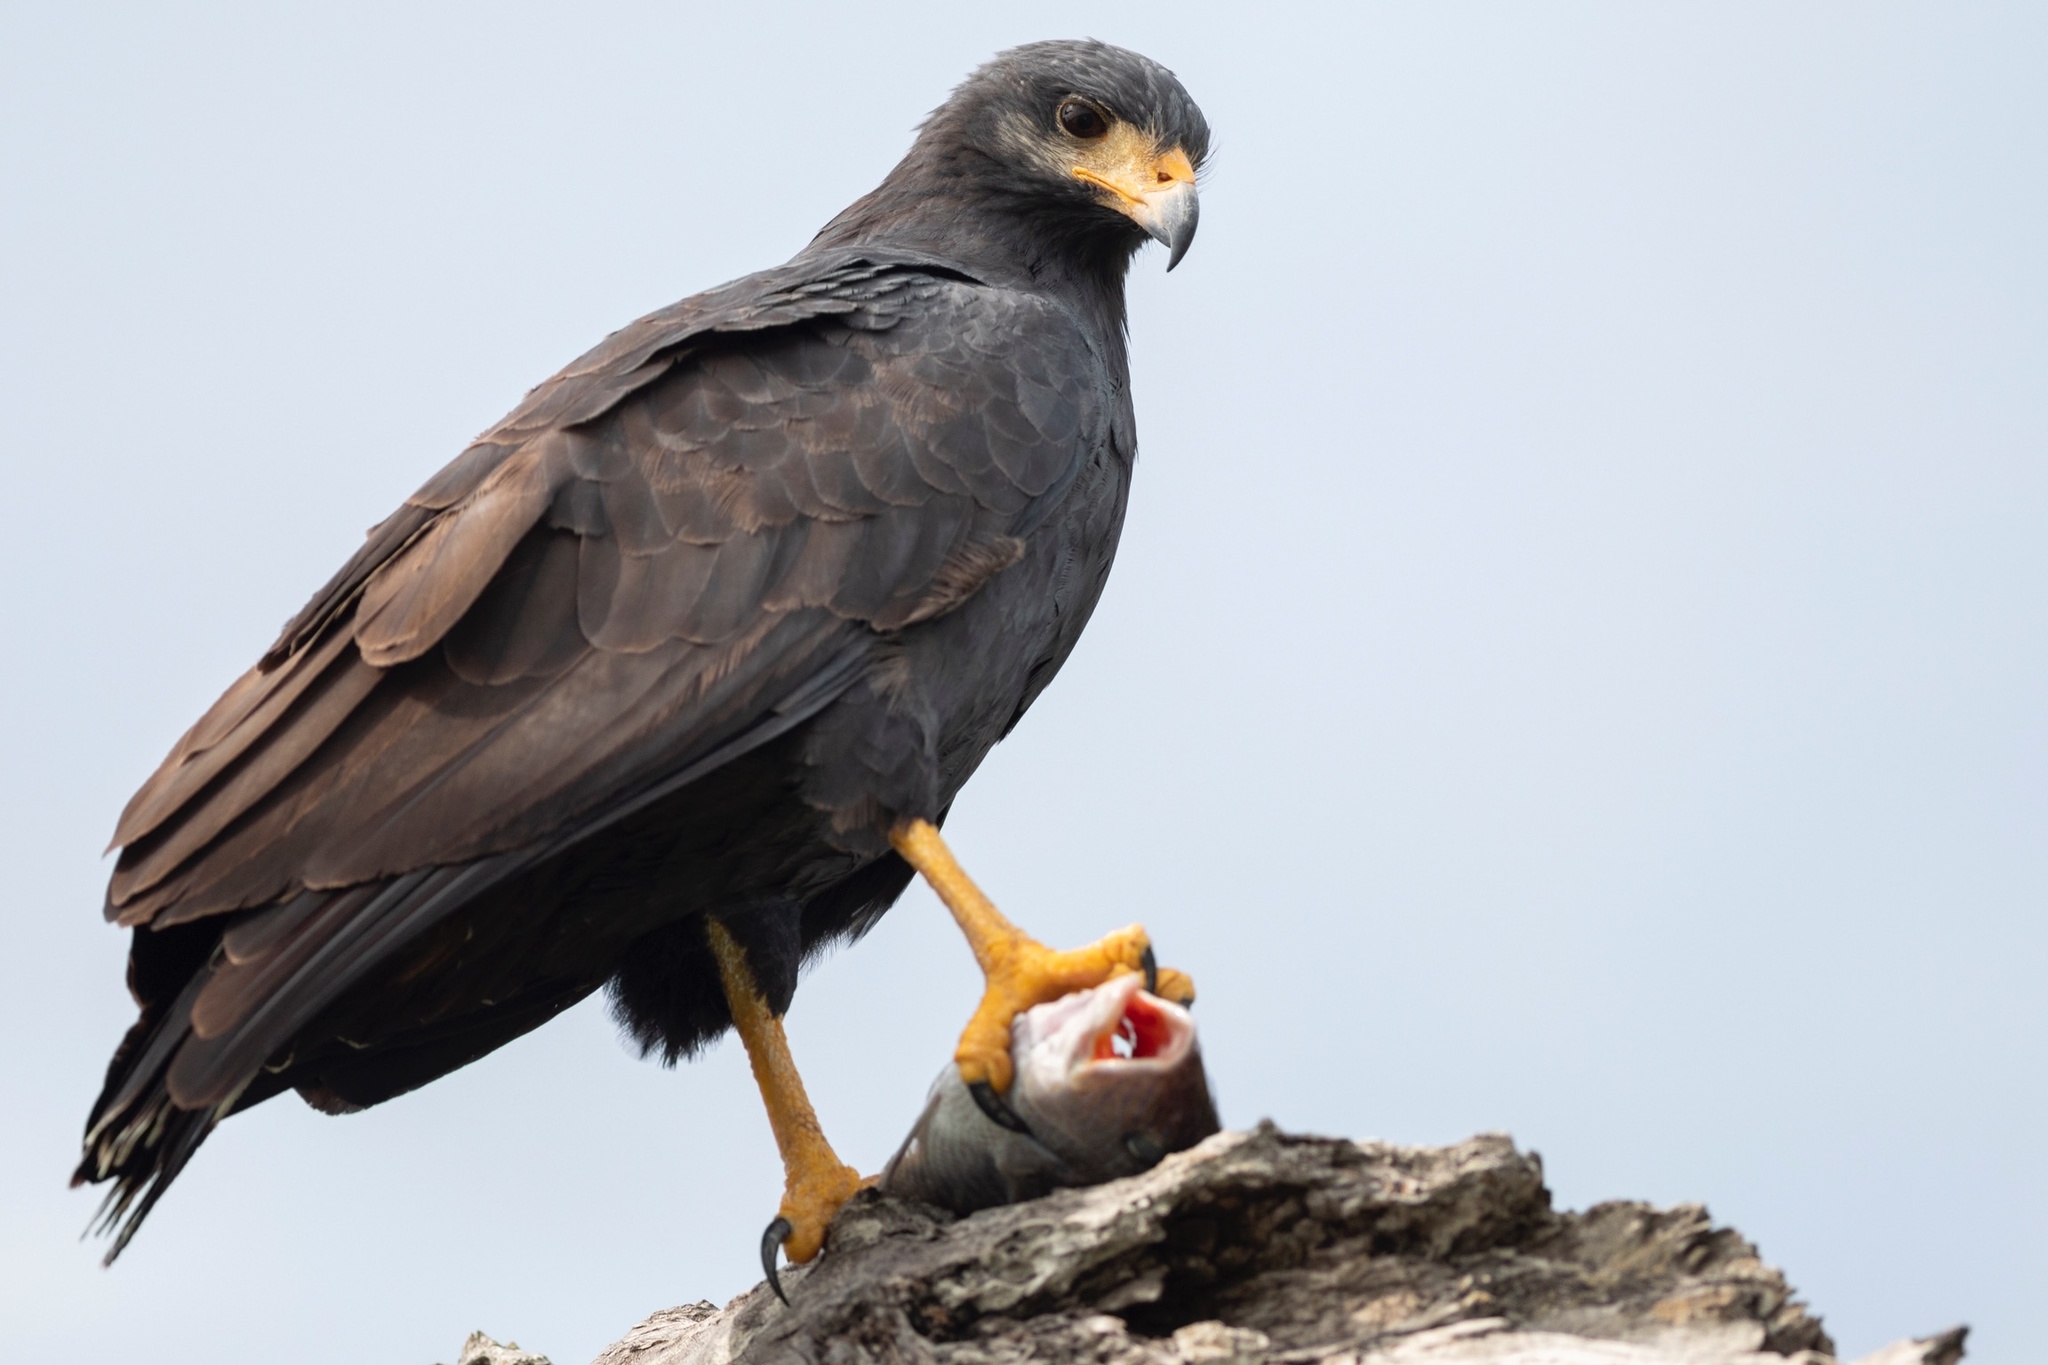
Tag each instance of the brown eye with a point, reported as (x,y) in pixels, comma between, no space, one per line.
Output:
(1083,119)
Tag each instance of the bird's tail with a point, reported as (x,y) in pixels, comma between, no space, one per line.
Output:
(221,1005)
(137,1136)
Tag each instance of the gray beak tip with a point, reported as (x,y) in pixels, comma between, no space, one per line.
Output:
(1175,217)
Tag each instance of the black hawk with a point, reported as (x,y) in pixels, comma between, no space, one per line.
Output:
(668,679)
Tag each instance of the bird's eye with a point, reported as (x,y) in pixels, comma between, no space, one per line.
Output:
(1082,119)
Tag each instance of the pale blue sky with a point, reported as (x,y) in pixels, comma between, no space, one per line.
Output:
(1577,663)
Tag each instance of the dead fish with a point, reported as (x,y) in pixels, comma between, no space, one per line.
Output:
(1108,1082)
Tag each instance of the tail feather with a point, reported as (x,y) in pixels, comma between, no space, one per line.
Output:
(223,1041)
(144,1157)
(137,1136)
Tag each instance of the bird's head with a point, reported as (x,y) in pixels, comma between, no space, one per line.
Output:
(1095,147)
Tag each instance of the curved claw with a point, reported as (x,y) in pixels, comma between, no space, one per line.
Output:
(1149,963)
(771,1252)
(997,1108)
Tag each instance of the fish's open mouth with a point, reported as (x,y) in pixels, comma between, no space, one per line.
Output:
(1109,1082)
(1142,1031)
(1114,1026)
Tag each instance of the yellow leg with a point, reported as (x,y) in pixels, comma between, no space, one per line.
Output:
(1021,971)
(815,1181)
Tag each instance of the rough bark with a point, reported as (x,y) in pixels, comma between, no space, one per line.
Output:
(1262,1246)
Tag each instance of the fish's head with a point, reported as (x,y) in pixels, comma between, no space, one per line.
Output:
(1111,1079)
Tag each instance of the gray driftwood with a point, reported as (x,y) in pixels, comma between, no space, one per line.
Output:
(1262,1246)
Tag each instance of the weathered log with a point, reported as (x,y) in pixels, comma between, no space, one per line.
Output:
(1262,1246)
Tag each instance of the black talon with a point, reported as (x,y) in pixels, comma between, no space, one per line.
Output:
(771,1248)
(1150,964)
(997,1108)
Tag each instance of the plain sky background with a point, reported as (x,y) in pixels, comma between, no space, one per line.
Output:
(1577,662)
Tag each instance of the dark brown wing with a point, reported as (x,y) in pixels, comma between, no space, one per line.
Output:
(596,608)
(678,548)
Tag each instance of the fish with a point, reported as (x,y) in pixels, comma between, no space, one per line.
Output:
(1108,1082)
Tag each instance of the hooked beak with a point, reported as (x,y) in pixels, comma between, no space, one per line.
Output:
(1157,193)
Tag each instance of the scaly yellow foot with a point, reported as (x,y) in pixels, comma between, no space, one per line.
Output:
(1021,971)
(1178,987)
(810,1196)
(815,1181)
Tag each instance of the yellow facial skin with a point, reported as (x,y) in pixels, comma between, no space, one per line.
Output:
(1155,189)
